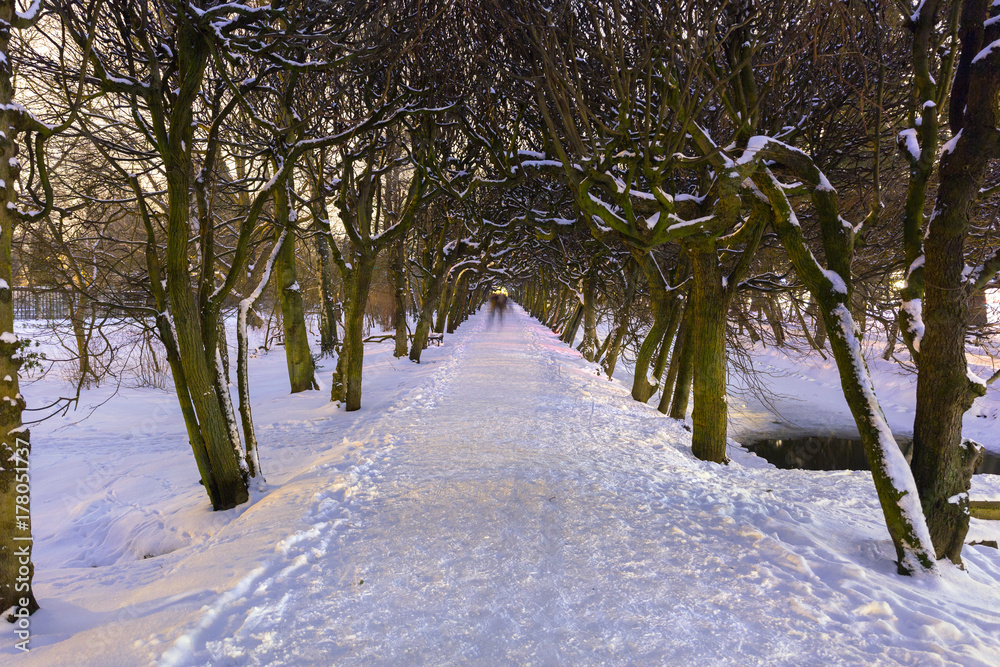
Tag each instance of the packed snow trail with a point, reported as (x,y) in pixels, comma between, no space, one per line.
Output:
(517,509)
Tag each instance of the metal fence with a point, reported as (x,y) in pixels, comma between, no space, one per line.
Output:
(33,303)
(37,304)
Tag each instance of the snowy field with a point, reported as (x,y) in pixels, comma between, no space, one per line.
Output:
(500,503)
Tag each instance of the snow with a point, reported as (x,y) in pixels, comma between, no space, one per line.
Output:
(974,378)
(498,503)
(987,50)
(836,280)
(758,143)
(682,223)
(8,337)
(754,145)
(639,194)
(541,163)
(31,13)
(689,197)
(824,184)
(894,464)
(909,138)
(949,147)
(915,309)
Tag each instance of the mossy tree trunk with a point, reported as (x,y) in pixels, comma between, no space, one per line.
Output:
(557,312)
(831,287)
(459,301)
(614,349)
(230,481)
(430,299)
(573,324)
(709,302)
(588,346)
(942,463)
(442,310)
(357,284)
(16,566)
(660,302)
(677,385)
(328,310)
(298,356)
(399,296)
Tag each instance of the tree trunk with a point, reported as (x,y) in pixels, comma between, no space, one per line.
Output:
(685,376)
(298,357)
(252,457)
(442,311)
(573,325)
(459,299)
(230,483)
(817,313)
(557,312)
(708,336)
(223,346)
(745,323)
(667,389)
(890,339)
(673,323)
(16,567)
(642,386)
(351,362)
(430,299)
(942,464)
(773,315)
(77,318)
(399,291)
(611,358)
(894,484)
(588,347)
(328,338)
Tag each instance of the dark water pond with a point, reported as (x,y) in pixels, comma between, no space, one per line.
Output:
(835,452)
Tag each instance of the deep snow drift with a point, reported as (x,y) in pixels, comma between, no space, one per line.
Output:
(499,503)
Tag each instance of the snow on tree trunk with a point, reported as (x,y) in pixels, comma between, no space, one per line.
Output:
(894,483)
(16,567)
(252,457)
(942,463)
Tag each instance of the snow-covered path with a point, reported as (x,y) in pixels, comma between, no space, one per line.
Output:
(517,509)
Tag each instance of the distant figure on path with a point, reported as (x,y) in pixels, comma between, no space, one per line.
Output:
(498,304)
